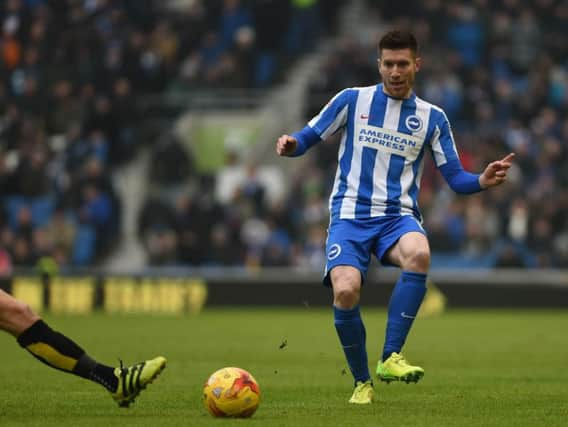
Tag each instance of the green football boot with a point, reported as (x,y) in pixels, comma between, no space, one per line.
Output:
(133,379)
(363,394)
(396,368)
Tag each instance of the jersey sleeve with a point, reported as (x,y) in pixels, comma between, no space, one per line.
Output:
(330,119)
(306,139)
(447,160)
(442,143)
(333,116)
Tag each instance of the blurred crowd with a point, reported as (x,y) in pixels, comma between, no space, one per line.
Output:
(73,72)
(74,75)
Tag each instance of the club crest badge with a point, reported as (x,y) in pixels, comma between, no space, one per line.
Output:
(413,123)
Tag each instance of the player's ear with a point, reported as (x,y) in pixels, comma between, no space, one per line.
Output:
(417,63)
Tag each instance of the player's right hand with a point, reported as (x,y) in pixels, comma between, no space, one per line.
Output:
(286,145)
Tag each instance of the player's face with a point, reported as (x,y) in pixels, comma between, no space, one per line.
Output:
(398,69)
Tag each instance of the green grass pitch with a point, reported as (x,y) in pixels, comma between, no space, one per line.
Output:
(483,368)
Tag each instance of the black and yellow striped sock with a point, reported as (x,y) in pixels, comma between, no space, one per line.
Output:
(59,352)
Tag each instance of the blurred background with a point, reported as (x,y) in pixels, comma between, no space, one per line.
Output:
(137,137)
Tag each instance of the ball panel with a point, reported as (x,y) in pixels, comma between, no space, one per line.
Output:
(231,392)
(212,407)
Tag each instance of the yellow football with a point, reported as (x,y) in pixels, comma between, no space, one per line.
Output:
(231,392)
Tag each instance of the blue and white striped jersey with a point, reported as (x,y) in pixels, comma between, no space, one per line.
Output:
(381,153)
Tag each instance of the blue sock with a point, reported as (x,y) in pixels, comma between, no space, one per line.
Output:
(352,335)
(405,301)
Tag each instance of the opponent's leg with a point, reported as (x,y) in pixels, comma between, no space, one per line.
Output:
(15,316)
(133,379)
(60,352)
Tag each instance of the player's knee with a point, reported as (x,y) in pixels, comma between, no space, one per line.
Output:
(418,260)
(345,298)
(346,287)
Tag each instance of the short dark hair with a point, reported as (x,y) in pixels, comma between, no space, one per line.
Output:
(398,39)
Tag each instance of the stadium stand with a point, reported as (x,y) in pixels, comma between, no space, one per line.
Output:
(78,78)
(75,76)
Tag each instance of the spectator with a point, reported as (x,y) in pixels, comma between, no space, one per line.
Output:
(61,232)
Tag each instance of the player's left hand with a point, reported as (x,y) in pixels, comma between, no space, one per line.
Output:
(496,172)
